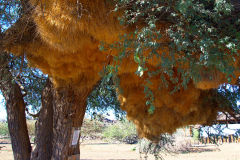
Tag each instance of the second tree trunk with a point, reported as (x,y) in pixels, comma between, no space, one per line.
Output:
(69,110)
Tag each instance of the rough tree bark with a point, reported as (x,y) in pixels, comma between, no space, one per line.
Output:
(69,109)
(15,112)
(44,126)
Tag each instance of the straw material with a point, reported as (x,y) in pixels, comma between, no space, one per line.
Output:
(62,37)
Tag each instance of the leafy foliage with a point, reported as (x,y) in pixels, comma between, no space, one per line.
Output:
(203,38)
(30,80)
(103,99)
(229,97)
(203,33)
(9,12)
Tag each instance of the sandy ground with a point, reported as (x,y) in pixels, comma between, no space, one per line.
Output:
(104,151)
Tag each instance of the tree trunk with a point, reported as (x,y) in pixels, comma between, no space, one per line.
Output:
(69,110)
(15,112)
(44,126)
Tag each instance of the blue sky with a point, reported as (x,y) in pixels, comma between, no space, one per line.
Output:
(3,113)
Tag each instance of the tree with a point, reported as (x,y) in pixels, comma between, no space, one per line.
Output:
(190,47)
(181,51)
(12,93)
(20,85)
(44,126)
(21,89)
(15,112)
(202,37)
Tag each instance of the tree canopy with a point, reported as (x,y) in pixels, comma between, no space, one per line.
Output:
(203,37)
(30,80)
(180,50)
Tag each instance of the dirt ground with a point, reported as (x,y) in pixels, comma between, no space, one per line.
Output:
(105,151)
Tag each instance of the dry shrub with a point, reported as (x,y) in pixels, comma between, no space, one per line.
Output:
(92,129)
(31,127)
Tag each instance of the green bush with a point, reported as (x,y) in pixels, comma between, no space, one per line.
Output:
(120,130)
(4,129)
(30,126)
(196,134)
